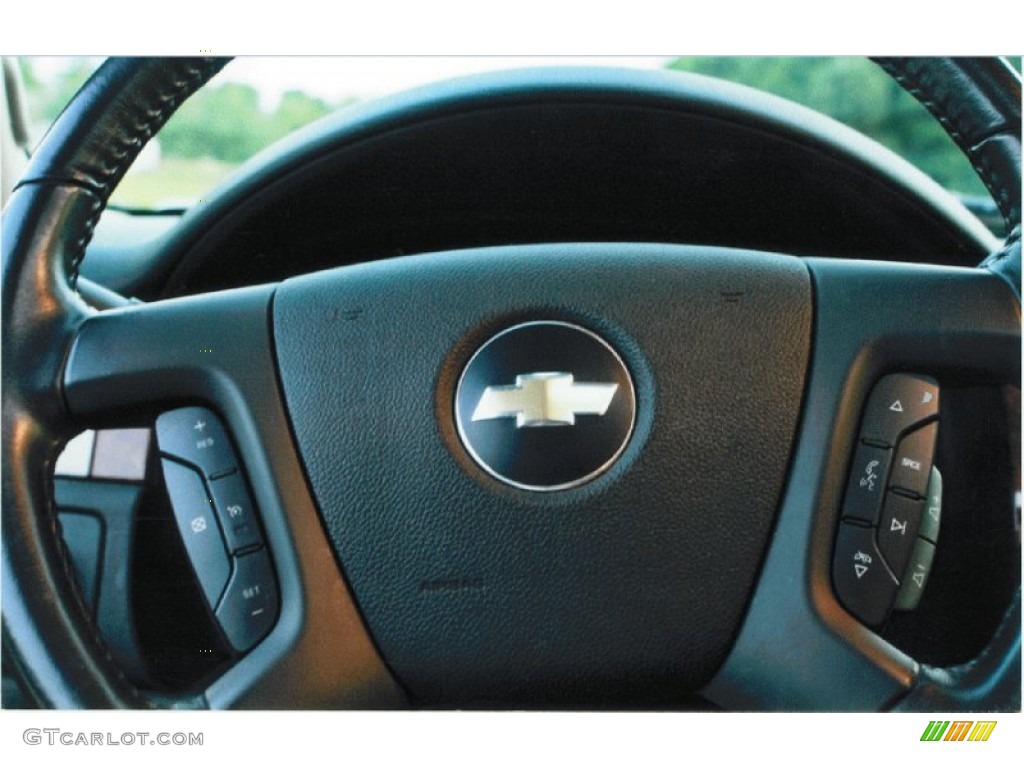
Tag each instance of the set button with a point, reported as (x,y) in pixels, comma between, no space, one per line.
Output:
(249,607)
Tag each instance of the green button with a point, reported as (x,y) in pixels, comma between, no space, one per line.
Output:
(933,508)
(916,577)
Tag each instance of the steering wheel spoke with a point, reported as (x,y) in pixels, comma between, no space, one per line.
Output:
(215,351)
(952,325)
(894,315)
(202,348)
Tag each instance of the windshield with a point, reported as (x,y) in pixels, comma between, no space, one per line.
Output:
(255,101)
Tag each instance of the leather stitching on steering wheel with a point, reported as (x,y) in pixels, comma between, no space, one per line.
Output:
(915,77)
(123,153)
(996,182)
(125,134)
(1006,251)
(956,687)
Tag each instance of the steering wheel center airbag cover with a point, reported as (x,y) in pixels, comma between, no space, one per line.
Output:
(629,587)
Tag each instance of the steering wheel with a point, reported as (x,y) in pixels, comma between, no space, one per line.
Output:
(554,475)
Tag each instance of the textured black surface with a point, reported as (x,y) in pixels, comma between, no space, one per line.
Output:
(629,587)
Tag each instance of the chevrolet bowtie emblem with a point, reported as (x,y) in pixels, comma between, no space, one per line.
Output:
(544,400)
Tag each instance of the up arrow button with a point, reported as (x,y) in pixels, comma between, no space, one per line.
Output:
(899,403)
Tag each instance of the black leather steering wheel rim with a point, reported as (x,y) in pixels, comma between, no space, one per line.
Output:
(977,101)
(48,224)
(76,167)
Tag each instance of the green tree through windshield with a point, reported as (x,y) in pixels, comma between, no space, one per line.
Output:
(854,91)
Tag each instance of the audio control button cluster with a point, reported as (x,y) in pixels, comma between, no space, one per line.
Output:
(893,496)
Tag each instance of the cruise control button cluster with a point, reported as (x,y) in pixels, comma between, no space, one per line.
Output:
(219,524)
(893,498)
(920,566)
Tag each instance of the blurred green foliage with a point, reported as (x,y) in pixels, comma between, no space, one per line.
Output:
(48,95)
(857,92)
(224,122)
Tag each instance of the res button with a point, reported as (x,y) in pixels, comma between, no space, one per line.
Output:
(196,436)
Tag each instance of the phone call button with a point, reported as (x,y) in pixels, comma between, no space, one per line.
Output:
(866,488)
